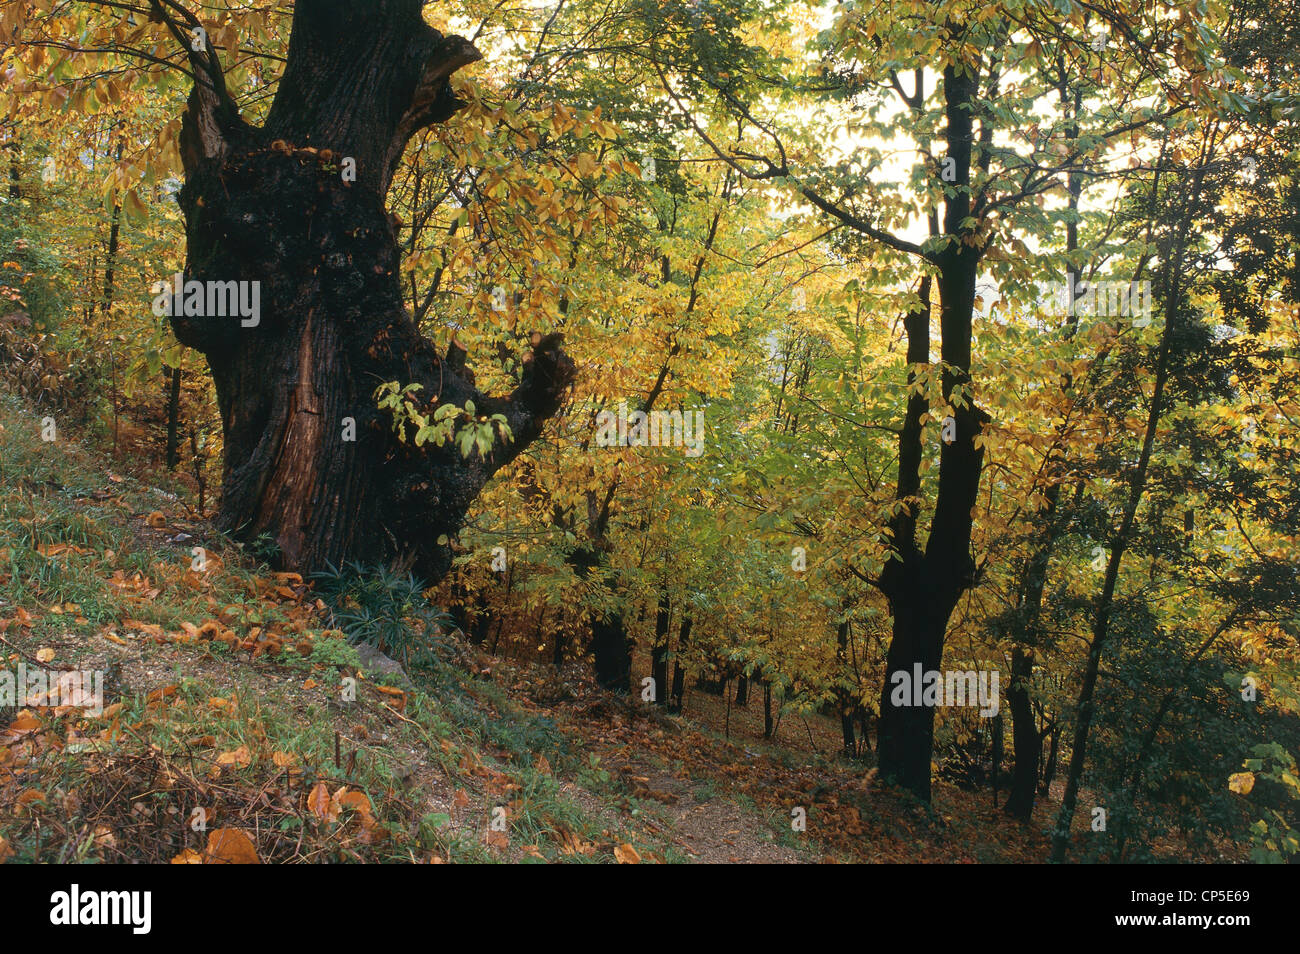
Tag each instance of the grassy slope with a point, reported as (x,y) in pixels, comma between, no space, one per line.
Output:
(228,713)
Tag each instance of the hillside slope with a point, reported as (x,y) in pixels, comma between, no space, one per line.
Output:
(239,726)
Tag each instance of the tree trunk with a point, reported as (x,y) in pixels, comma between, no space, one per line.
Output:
(847,705)
(1024,738)
(923,587)
(1171,293)
(310,461)
(742,691)
(1049,765)
(679,672)
(659,654)
(173,418)
(15,171)
(612,650)
(996,756)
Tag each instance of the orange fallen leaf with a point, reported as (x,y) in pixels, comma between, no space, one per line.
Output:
(321,805)
(626,855)
(187,857)
(356,801)
(30,797)
(230,846)
(240,757)
(166,692)
(45,655)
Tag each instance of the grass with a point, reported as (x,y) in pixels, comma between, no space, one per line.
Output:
(242,706)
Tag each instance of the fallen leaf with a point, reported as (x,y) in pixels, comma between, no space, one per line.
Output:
(230,846)
(240,758)
(626,855)
(321,805)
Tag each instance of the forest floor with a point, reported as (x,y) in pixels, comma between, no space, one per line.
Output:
(238,727)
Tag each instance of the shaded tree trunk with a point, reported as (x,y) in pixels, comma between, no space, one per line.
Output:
(612,649)
(1171,297)
(173,418)
(15,170)
(923,587)
(847,706)
(996,755)
(1049,765)
(659,653)
(1024,739)
(271,205)
(679,672)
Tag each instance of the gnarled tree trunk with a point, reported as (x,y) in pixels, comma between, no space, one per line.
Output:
(272,205)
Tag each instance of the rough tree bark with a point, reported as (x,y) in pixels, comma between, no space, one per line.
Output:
(270,205)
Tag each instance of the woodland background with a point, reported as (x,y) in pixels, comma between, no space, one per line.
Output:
(742,208)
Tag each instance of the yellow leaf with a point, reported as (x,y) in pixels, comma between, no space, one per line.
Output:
(240,757)
(1242,782)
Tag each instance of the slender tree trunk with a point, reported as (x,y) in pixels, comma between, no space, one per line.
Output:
(846,705)
(15,171)
(742,691)
(1024,738)
(659,653)
(998,729)
(1085,706)
(923,587)
(557,651)
(679,671)
(173,418)
(482,621)
(106,305)
(309,459)
(1049,765)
